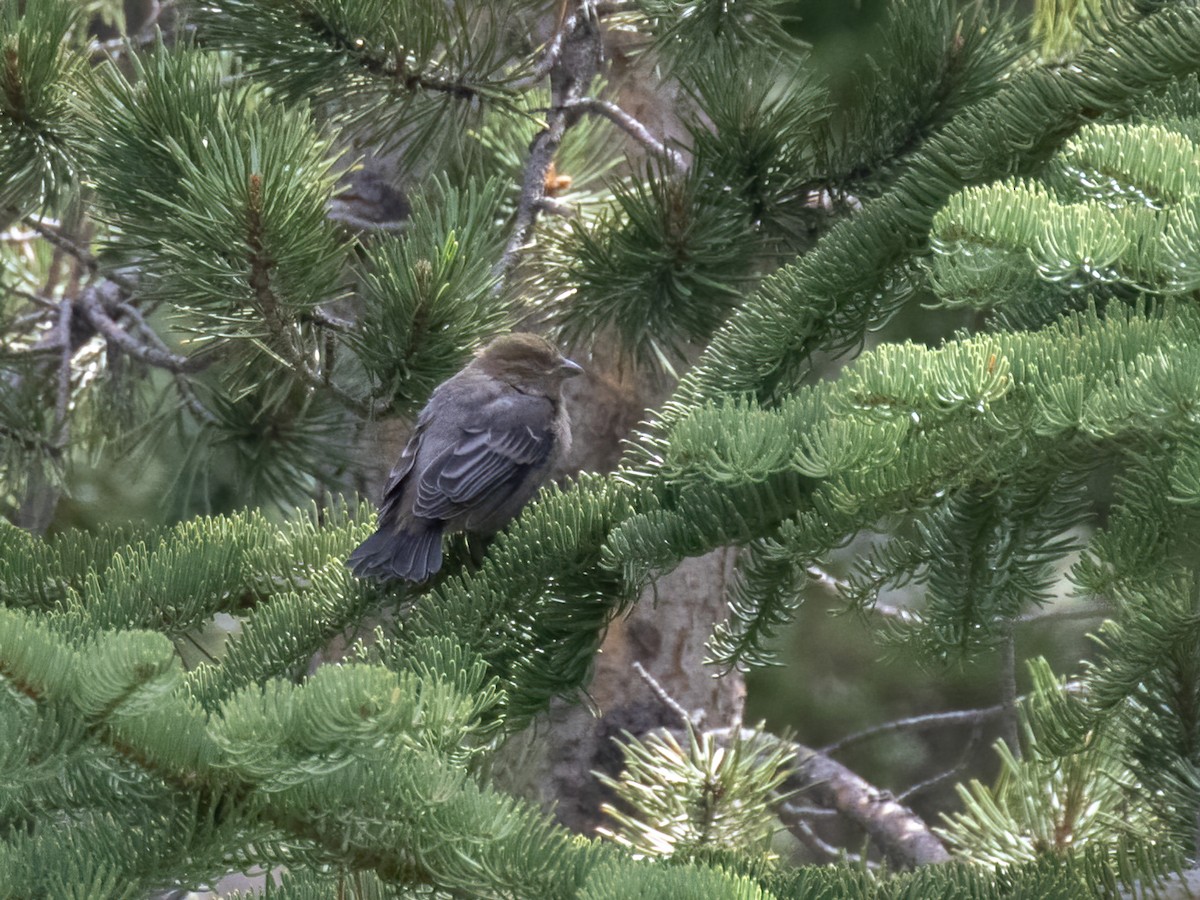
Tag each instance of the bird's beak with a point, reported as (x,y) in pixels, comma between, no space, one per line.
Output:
(570,368)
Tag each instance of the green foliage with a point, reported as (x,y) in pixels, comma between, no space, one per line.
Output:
(358,738)
(754,128)
(688,31)
(854,280)
(36,81)
(429,296)
(928,62)
(1057,205)
(537,607)
(656,272)
(228,194)
(393,71)
(686,882)
(678,802)
(987,454)
(1110,220)
(1046,804)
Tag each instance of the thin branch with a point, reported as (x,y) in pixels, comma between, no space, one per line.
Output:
(18,237)
(796,823)
(661,693)
(913,723)
(902,835)
(38,299)
(92,304)
(627,123)
(62,400)
(826,580)
(570,75)
(53,236)
(1008,690)
(841,586)
(329,320)
(890,611)
(1063,615)
(553,51)
(955,770)
(186,392)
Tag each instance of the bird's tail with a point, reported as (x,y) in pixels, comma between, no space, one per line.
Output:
(388,555)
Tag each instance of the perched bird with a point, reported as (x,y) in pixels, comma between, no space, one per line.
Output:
(482,447)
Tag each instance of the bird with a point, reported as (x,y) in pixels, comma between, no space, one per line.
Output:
(482,447)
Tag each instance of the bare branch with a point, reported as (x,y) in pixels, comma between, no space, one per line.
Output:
(62,398)
(553,51)
(826,580)
(914,723)
(50,233)
(92,301)
(796,822)
(902,835)
(627,123)
(329,320)
(570,75)
(955,770)
(186,392)
(661,693)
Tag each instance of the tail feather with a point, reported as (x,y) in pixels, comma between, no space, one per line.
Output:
(408,555)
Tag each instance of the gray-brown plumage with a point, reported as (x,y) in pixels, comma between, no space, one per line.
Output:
(482,447)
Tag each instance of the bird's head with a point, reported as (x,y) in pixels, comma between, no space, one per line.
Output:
(529,363)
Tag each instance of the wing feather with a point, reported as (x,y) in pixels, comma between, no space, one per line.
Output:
(482,468)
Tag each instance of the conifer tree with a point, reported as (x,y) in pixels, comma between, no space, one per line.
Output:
(238,235)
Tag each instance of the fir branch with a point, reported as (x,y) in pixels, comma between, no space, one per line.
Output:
(819,302)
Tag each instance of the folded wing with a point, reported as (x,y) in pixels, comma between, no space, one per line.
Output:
(482,472)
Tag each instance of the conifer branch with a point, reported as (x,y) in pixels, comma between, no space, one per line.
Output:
(553,51)
(52,235)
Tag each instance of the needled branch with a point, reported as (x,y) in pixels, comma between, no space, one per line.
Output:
(275,317)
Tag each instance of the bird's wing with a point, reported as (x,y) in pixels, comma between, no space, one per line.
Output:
(481,469)
(394,489)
